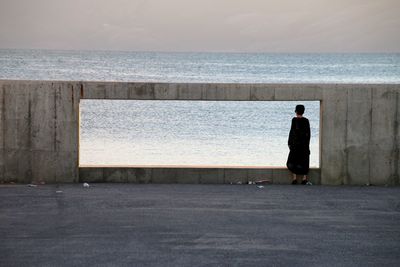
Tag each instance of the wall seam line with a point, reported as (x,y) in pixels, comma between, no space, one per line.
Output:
(3,122)
(370,134)
(30,174)
(396,148)
(345,178)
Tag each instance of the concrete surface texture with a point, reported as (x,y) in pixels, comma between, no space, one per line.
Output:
(360,134)
(190,175)
(199,225)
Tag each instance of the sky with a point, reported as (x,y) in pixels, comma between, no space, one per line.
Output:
(202,25)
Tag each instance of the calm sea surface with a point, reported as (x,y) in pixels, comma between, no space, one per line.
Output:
(194,133)
(232,133)
(199,67)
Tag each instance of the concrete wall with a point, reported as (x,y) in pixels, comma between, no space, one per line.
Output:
(39,131)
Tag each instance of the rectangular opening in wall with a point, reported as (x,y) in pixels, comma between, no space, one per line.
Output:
(169,133)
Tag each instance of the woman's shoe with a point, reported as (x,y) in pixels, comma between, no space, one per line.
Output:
(294,182)
(304,182)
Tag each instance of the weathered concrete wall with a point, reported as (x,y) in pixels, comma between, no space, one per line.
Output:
(39,130)
(190,175)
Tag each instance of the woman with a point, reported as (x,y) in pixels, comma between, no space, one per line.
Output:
(299,144)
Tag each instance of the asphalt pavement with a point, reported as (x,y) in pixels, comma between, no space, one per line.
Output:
(199,225)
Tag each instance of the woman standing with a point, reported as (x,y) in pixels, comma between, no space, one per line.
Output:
(299,144)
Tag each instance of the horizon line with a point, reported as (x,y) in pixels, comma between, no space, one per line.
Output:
(202,52)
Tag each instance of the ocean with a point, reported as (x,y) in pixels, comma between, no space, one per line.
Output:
(199,67)
(206,133)
(195,133)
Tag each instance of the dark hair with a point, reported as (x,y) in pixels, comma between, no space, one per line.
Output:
(300,109)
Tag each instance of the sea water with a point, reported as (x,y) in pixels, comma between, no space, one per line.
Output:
(203,133)
(206,133)
(199,67)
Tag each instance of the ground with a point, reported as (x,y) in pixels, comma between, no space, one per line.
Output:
(199,225)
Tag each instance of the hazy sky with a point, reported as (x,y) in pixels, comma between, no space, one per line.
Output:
(202,25)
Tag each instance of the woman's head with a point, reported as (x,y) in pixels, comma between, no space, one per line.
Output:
(299,109)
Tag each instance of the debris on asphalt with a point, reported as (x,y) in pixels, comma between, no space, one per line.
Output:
(86,185)
(260,186)
(32,185)
(263,181)
(59,191)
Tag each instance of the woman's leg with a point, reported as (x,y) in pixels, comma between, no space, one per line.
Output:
(294,178)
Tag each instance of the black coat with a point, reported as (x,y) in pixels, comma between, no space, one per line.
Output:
(299,144)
